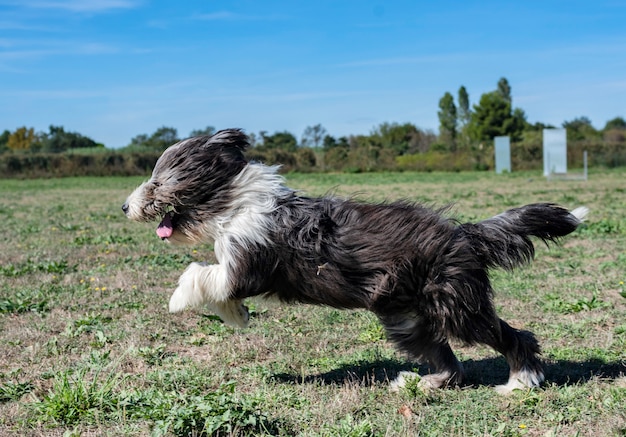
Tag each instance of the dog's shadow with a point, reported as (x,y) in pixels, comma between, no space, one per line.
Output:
(488,371)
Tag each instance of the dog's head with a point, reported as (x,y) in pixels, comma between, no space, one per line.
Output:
(189,185)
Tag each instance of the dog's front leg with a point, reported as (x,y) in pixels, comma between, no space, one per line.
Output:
(209,284)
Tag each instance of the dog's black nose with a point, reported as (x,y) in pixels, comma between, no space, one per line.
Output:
(125,208)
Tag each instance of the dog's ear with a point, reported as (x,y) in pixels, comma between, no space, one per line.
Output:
(230,138)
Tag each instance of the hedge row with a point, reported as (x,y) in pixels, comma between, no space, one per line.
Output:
(60,165)
(524,156)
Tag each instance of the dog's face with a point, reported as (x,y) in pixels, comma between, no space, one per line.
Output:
(189,185)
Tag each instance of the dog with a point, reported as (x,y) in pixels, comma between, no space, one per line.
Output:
(423,274)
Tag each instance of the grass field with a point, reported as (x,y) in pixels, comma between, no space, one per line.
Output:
(87,346)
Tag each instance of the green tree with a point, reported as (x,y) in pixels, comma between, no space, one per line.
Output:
(580,128)
(209,130)
(614,131)
(464,117)
(464,112)
(490,118)
(285,141)
(331,143)
(399,138)
(494,116)
(504,89)
(252,138)
(448,120)
(160,140)
(58,140)
(615,123)
(538,126)
(518,124)
(140,140)
(163,137)
(313,136)
(4,139)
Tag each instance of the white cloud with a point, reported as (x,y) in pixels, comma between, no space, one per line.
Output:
(74,5)
(233,16)
(47,49)
(451,57)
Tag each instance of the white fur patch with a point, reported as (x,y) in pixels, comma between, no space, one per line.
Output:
(208,285)
(425,382)
(522,380)
(580,213)
(401,380)
(198,284)
(135,202)
(232,312)
(248,219)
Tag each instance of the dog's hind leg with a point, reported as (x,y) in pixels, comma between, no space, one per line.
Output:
(521,351)
(414,336)
(209,284)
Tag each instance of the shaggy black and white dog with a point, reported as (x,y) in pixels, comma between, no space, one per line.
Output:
(424,275)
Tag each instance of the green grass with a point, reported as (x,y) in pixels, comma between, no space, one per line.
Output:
(88,347)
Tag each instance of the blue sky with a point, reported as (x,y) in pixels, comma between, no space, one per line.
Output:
(112,69)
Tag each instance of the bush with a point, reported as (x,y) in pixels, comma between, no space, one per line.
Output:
(444,161)
(526,154)
(64,165)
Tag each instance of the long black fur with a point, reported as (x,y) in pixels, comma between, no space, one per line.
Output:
(423,274)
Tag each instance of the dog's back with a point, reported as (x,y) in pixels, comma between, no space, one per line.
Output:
(348,254)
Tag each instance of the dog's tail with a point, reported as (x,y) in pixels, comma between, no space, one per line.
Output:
(504,240)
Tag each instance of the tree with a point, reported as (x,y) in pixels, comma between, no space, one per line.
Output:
(163,138)
(57,140)
(399,138)
(518,123)
(4,139)
(21,139)
(614,130)
(616,123)
(208,131)
(160,140)
(538,126)
(504,90)
(490,118)
(313,136)
(464,112)
(252,139)
(494,116)
(580,128)
(464,116)
(331,142)
(447,120)
(280,140)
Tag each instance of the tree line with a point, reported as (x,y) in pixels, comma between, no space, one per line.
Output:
(464,141)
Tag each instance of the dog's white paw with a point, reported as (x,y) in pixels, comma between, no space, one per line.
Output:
(178,301)
(232,312)
(189,292)
(402,379)
(522,380)
(202,284)
(426,382)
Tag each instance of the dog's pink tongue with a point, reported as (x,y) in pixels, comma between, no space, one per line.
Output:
(165,228)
